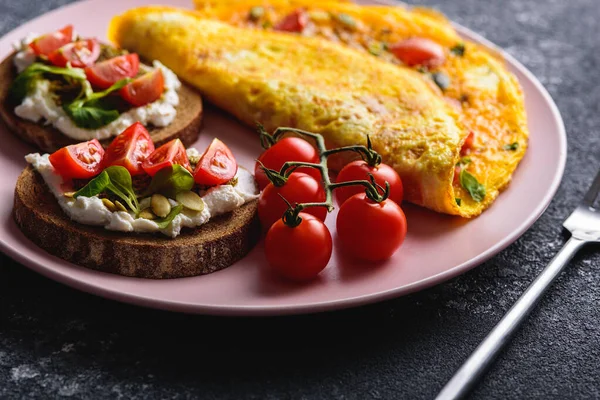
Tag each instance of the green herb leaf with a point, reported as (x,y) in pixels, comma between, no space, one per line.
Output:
(512,146)
(472,185)
(346,20)
(95,186)
(442,80)
(163,223)
(464,161)
(122,186)
(376,48)
(458,201)
(256,13)
(171,180)
(26,79)
(458,50)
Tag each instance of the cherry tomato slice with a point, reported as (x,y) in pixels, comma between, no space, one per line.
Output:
(368,230)
(299,253)
(129,149)
(106,73)
(80,54)
(287,149)
(166,155)
(359,170)
(299,188)
(216,166)
(145,89)
(78,161)
(468,144)
(419,51)
(294,22)
(46,44)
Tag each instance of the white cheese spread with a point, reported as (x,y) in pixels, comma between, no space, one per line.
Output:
(39,105)
(91,211)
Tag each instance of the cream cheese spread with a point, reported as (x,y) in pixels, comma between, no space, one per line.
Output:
(91,211)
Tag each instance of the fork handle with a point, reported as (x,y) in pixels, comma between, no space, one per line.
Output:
(464,379)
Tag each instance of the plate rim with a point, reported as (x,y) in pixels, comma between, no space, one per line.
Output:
(317,307)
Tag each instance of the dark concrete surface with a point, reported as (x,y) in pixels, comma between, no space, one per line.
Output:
(57,342)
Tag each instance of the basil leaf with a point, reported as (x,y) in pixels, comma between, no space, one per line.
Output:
(90,117)
(95,186)
(163,223)
(24,81)
(464,161)
(472,185)
(458,50)
(458,201)
(122,186)
(117,86)
(171,180)
(512,146)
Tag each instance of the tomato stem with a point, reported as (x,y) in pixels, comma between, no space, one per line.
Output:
(275,177)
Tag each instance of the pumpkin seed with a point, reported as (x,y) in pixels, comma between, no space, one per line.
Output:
(190,200)
(69,194)
(109,204)
(119,206)
(160,205)
(147,214)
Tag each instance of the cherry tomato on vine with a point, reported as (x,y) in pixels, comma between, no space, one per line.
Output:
(287,149)
(368,230)
(301,252)
(78,161)
(358,170)
(299,188)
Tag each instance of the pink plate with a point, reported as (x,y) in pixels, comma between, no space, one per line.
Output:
(437,247)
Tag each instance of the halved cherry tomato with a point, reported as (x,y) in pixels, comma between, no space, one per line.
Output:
(468,144)
(106,73)
(216,166)
(359,170)
(287,149)
(145,89)
(46,44)
(299,188)
(166,155)
(368,230)
(80,54)
(294,22)
(79,161)
(299,253)
(129,149)
(419,51)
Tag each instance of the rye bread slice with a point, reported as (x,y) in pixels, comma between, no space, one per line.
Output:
(187,124)
(211,247)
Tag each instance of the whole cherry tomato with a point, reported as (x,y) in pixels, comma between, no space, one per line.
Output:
(216,166)
(130,149)
(301,252)
(368,230)
(359,170)
(419,51)
(78,161)
(287,149)
(299,188)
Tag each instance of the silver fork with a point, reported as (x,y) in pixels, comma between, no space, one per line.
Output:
(584,225)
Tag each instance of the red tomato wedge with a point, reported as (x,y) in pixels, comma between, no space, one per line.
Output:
(419,51)
(80,54)
(130,149)
(106,73)
(216,166)
(166,155)
(145,89)
(79,161)
(294,22)
(468,144)
(46,44)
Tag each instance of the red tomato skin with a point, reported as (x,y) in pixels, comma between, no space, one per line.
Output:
(419,51)
(78,161)
(294,22)
(80,54)
(216,166)
(370,231)
(46,44)
(145,89)
(168,154)
(300,188)
(287,149)
(299,253)
(468,144)
(358,170)
(130,149)
(106,73)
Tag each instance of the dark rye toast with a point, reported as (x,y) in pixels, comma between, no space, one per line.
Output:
(211,247)
(186,126)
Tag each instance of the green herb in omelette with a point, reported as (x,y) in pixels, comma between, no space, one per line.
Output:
(458,201)
(458,50)
(472,185)
(441,79)
(256,13)
(512,146)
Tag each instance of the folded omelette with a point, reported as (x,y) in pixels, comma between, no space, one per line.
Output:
(281,79)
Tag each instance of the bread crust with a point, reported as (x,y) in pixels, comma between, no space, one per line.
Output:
(211,247)
(186,126)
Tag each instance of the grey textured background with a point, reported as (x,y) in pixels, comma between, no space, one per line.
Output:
(56,342)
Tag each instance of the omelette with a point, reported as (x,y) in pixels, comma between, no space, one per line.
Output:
(315,84)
